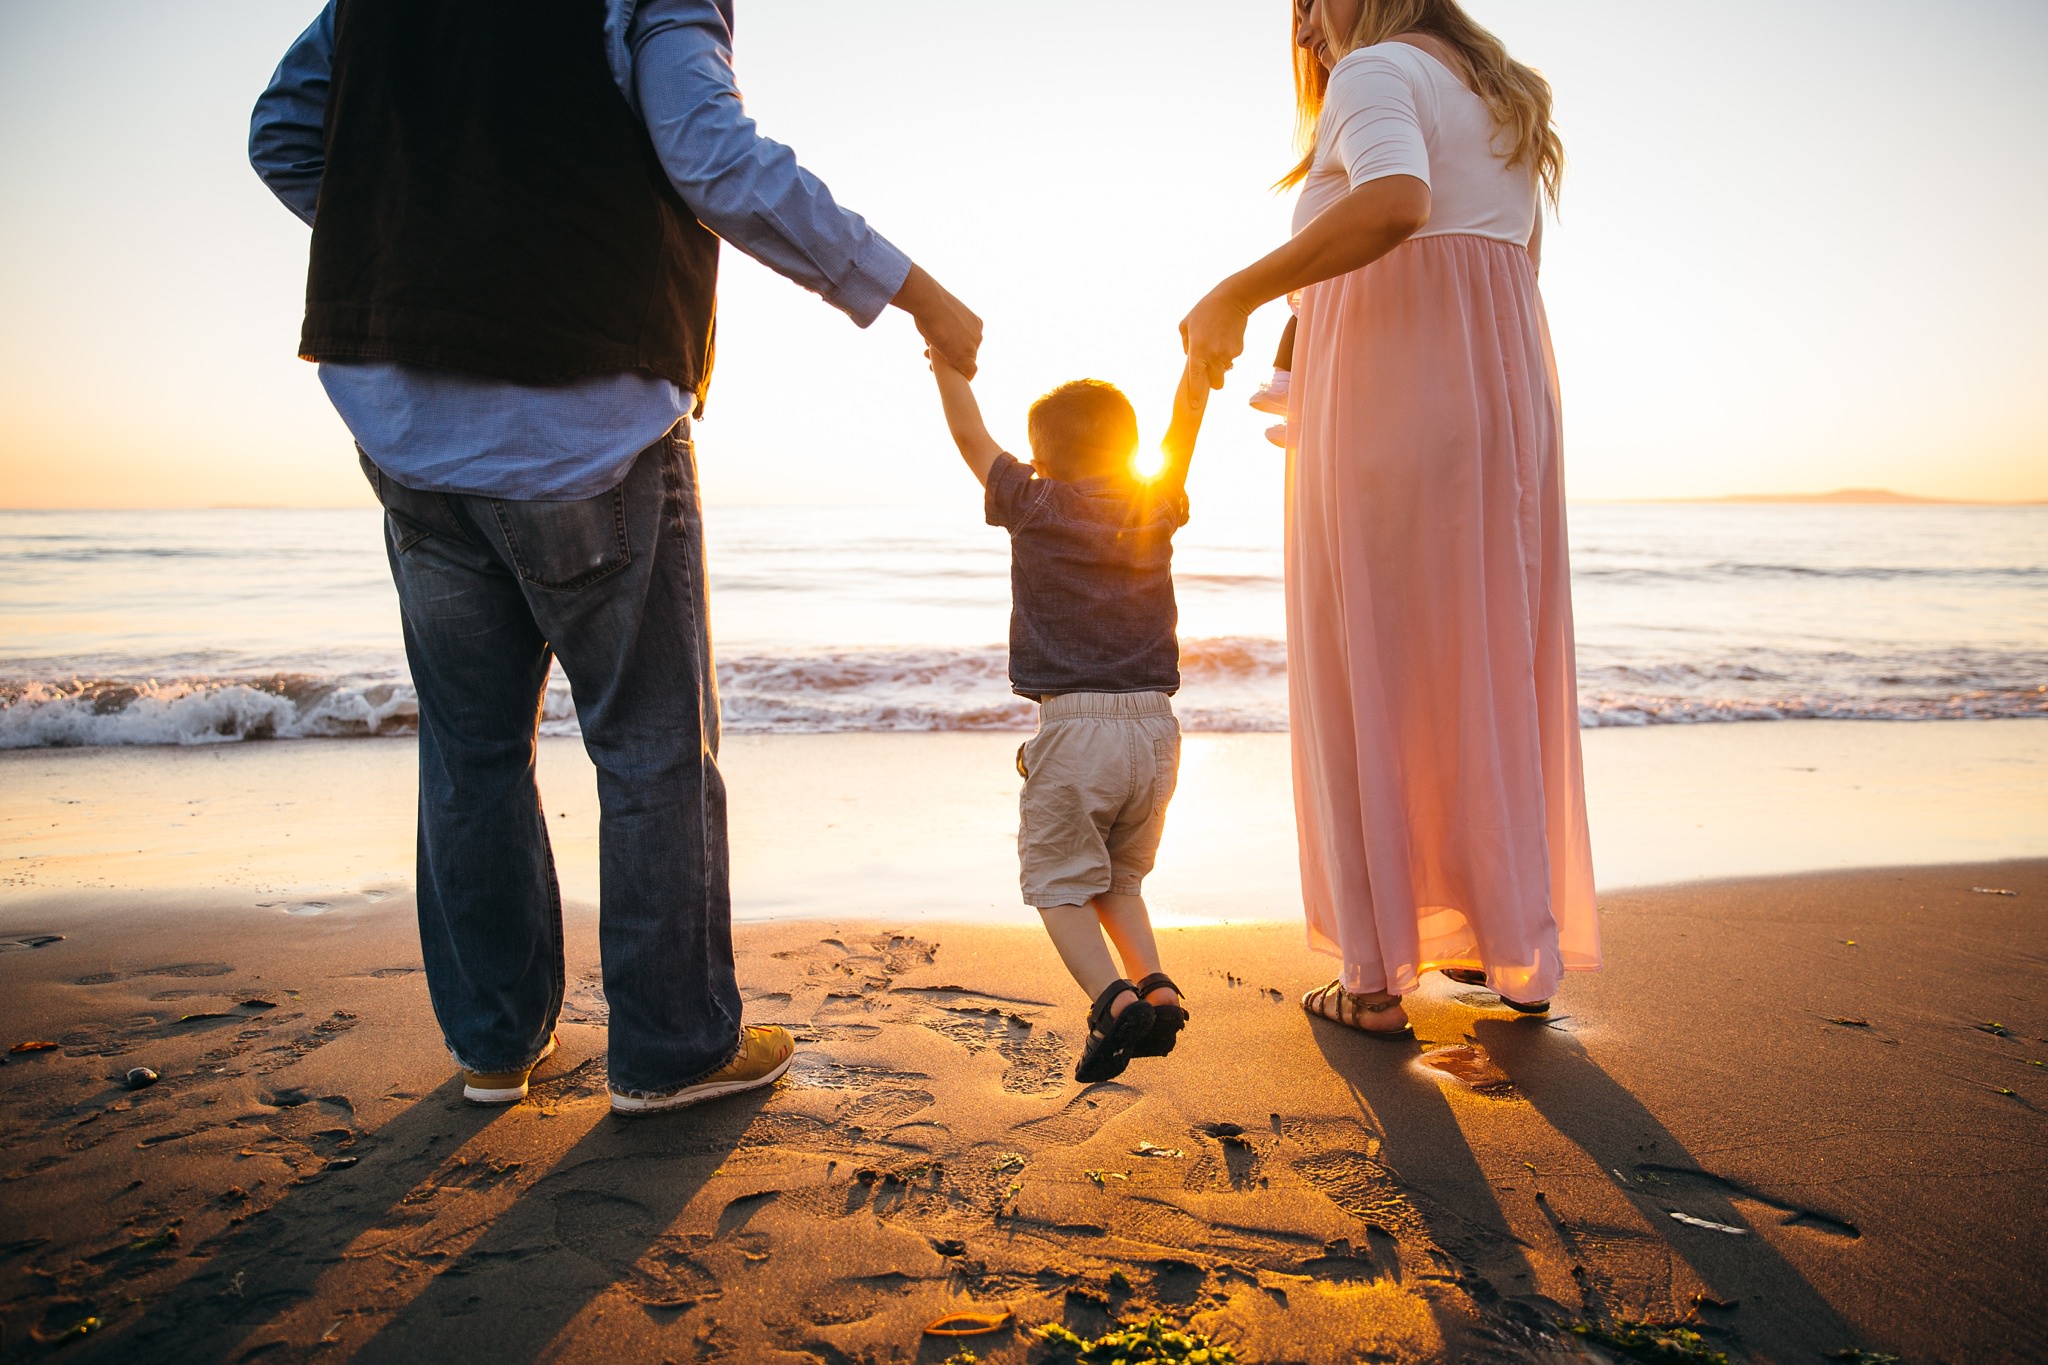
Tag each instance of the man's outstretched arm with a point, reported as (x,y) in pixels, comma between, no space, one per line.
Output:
(751,191)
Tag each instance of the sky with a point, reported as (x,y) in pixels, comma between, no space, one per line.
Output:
(1799,247)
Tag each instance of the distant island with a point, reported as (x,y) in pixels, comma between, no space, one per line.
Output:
(1854,496)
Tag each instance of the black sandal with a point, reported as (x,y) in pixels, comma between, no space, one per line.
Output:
(1471,976)
(1167,1020)
(1112,1036)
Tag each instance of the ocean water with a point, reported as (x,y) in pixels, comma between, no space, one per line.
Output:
(217,626)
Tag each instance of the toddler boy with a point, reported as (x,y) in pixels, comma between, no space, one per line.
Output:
(1092,641)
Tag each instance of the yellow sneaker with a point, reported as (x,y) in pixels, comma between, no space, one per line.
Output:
(766,1050)
(502,1087)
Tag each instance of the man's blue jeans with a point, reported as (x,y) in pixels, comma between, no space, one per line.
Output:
(491,592)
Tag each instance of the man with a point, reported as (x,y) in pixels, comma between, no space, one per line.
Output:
(516,209)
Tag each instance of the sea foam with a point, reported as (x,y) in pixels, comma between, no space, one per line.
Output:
(1229,684)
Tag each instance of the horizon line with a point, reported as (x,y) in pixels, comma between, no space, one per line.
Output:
(1841,497)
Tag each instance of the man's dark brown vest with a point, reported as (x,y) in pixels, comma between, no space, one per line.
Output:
(491,204)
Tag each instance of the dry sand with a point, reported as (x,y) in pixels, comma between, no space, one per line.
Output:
(1836,1078)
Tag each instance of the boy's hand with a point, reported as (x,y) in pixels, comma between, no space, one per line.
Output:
(963,416)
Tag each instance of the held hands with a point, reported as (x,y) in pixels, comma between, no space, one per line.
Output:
(1212,335)
(1349,235)
(948,326)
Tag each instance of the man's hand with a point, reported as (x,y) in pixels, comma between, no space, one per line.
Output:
(947,325)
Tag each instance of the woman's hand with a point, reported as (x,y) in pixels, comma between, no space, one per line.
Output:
(1212,335)
(1349,235)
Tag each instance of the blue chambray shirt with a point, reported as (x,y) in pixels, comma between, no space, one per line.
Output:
(444,432)
(1091,581)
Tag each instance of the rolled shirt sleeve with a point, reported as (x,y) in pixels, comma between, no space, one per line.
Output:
(747,188)
(286,143)
(1369,113)
(1011,495)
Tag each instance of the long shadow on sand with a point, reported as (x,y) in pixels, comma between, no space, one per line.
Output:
(1438,1173)
(1781,1314)
(601,1219)
(365,1242)
(260,1271)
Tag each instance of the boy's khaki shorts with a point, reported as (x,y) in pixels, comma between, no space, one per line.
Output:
(1097,777)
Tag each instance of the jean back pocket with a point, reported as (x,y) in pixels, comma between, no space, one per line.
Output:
(565,546)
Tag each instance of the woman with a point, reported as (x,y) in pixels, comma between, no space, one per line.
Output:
(1431,682)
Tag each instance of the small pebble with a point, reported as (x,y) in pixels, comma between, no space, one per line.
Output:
(141,1076)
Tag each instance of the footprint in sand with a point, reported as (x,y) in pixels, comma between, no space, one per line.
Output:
(1080,1117)
(887,957)
(1037,1057)
(585,1002)
(182,969)
(884,1107)
(626,1237)
(817,1070)
(1363,1188)
(292,1050)
(1469,1064)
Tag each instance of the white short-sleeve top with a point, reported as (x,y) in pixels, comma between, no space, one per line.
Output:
(1392,109)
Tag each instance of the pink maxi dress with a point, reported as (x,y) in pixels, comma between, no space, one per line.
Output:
(1432,689)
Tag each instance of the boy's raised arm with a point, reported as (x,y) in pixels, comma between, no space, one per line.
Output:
(1190,400)
(963,419)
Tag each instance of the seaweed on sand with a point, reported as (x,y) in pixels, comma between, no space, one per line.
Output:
(1155,1339)
(1651,1342)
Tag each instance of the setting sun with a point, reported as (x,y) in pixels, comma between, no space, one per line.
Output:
(1148,464)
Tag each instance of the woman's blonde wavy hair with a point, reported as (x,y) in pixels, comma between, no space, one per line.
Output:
(1518,97)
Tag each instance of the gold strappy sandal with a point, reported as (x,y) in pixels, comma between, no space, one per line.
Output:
(1334,994)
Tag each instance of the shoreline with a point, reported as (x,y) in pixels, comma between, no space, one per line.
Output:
(1801,1065)
(922,826)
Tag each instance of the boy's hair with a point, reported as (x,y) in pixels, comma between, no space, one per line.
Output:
(1082,429)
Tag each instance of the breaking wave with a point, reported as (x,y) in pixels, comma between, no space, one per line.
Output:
(1233,683)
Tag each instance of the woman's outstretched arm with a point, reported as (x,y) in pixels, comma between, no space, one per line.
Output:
(1353,232)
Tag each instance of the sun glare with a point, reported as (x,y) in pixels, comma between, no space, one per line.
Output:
(1148,464)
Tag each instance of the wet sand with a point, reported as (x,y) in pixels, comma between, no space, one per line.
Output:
(1835,1079)
(923,826)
